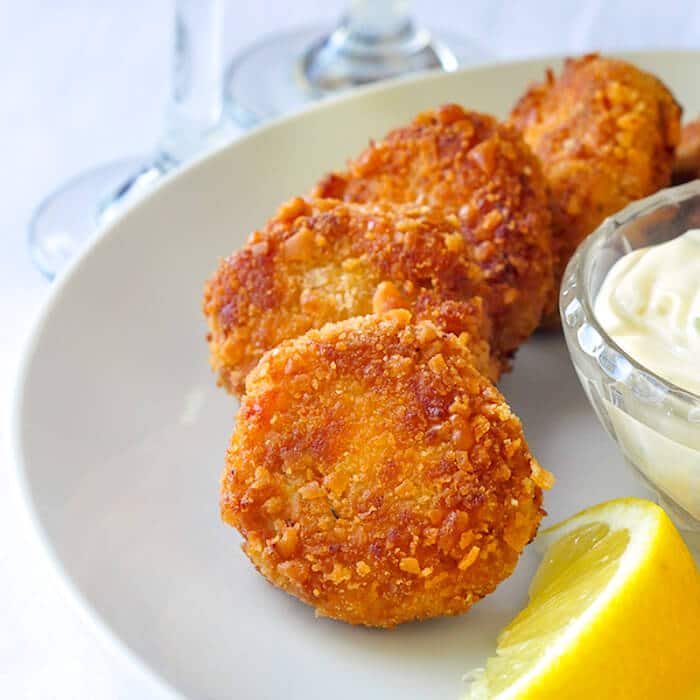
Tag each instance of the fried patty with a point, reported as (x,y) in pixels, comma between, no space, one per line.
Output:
(324,260)
(605,133)
(468,163)
(375,474)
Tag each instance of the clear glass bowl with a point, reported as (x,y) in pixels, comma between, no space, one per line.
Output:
(655,423)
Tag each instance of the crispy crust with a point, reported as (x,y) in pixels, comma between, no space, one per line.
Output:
(468,163)
(377,476)
(605,133)
(324,260)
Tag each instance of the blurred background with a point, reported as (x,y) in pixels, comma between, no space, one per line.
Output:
(87,82)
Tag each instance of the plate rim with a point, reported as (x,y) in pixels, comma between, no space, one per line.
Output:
(103,633)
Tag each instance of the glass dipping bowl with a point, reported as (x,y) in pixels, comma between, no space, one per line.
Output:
(655,423)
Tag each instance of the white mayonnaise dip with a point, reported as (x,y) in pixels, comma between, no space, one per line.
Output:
(649,304)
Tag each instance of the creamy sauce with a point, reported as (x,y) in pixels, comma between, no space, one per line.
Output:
(650,305)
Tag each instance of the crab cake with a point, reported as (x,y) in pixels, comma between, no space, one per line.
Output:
(472,165)
(375,474)
(606,134)
(323,260)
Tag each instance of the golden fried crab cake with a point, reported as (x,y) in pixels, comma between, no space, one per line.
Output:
(320,261)
(470,164)
(377,476)
(605,133)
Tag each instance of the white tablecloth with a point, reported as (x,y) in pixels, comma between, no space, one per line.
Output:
(83,82)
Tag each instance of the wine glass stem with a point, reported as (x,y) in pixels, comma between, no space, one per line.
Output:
(378,18)
(193,116)
(194,119)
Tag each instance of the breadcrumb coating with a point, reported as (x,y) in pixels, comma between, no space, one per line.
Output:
(324,260)
(605,132)
(375,474)
(468,163)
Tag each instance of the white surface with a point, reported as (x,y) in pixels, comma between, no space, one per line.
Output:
(83,83)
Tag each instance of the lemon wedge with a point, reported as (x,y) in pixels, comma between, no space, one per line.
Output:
(614,612)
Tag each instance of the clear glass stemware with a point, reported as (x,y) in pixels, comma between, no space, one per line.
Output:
(193,122)
(374,40)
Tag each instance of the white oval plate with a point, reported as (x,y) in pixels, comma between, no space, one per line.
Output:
(119,432)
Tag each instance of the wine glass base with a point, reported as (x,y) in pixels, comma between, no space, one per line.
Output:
(285,72)
(69,216)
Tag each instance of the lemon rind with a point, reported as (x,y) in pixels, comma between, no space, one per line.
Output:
(615,514)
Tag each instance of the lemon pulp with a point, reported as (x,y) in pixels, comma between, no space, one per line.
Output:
(574,571)
(614,611)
